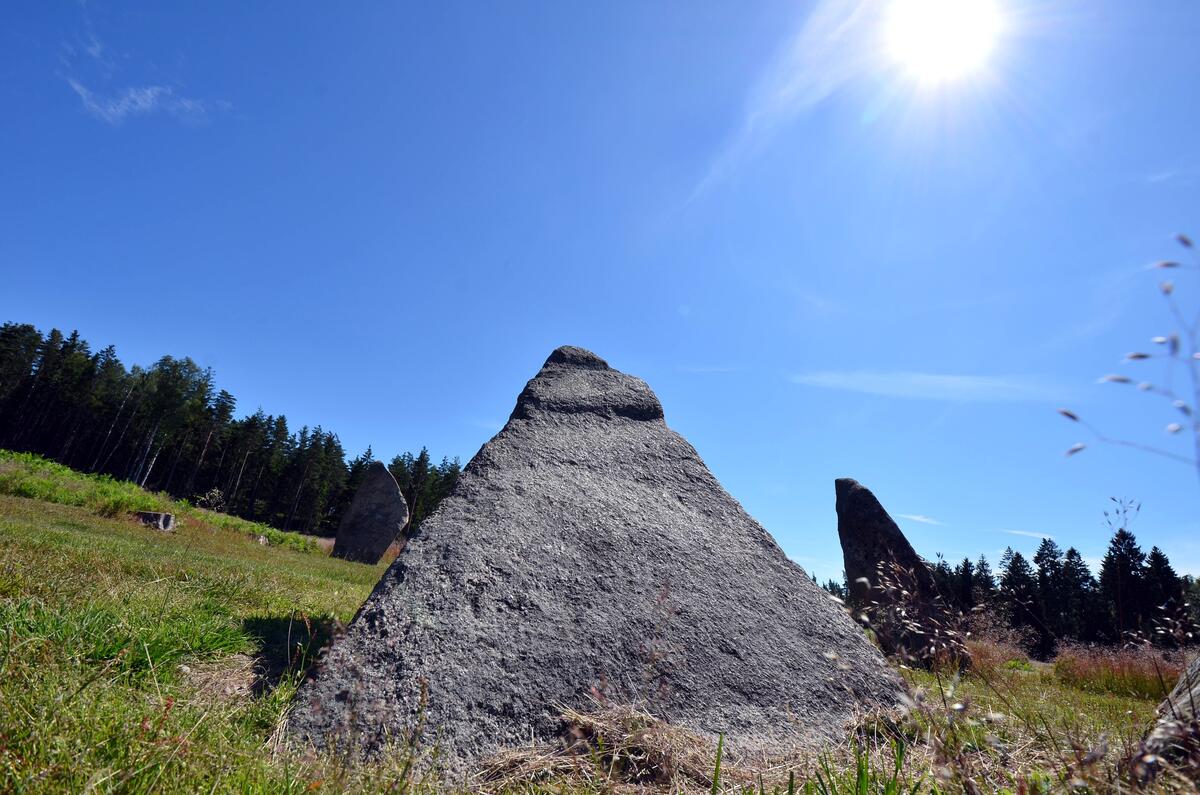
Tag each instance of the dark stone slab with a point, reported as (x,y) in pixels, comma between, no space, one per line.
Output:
(376,517)
(870,537)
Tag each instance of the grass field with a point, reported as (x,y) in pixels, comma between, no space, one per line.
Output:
(137,661)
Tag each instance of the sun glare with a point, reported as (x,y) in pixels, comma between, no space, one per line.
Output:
(941,40)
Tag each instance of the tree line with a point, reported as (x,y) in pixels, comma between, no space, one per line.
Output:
(169,428)
(1056,597)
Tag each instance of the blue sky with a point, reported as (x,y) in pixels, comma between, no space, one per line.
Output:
(382,217)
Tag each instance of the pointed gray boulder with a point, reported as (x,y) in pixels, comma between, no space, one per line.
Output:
(870,537)
(376,517)
(587,549)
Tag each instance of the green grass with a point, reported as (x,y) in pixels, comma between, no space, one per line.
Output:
(102,622)
(128,662)
(28,475)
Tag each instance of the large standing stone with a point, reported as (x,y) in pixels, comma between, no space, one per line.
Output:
(376,517)
(587,548)
(871,538)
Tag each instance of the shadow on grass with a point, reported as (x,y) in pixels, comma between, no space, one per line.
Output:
(288,644)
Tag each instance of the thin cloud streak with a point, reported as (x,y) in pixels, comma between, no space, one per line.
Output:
(917,517)
(141,101)
(1028,534)
(930,386)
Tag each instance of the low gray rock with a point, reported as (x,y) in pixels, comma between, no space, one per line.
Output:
(376,517)
(157,520)
(587,549)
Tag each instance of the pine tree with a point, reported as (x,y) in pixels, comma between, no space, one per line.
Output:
(1164,593)
(1163,585)
(836,588)
(943,579)
(964,585)
(1079,598)
(1123,584)
(1051,596)
(984,582)
(1018,588)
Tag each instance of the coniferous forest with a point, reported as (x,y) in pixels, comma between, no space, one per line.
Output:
(169,427)
(1055,597)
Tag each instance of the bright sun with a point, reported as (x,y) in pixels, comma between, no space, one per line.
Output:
(941,40)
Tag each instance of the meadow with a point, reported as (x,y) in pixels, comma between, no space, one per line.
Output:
(138,661)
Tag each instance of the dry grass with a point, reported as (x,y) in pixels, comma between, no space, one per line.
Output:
(1137,672)
(228,679)
(615,748)
(989,658)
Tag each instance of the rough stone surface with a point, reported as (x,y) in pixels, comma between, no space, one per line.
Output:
(157,520)
(376,517)
(1184,702)
(870,537)
(587,548)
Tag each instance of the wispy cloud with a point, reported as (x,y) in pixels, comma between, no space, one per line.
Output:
(141,101)
(930,386)
(1028,534)
(917,517)
(89,60)
(1182,176)
(826,52)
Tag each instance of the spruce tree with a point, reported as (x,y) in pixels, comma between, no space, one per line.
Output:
(1163,585)
(984,586)
(1079,598)
(964,585)
(1018,588)
(1123,585)
(1051,596)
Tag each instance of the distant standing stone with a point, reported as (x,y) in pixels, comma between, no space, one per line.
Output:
(893,585)
(157,520)
(376,517)
(871,537)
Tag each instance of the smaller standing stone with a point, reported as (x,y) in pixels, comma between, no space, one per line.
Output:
(157,520)
(893,585)
(376,517)
(870,537)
